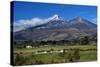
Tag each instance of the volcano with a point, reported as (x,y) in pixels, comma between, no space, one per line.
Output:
(58,29)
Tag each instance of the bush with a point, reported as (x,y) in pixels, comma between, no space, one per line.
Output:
(19,60)
(76,55)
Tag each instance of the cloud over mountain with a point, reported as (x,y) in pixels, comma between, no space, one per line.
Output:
(23,24)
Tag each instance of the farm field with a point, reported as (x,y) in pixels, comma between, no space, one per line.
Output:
(55,54)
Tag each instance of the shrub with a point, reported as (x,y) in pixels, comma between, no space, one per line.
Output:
(76,55)
(19,60)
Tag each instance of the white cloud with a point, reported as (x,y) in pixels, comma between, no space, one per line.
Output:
(94,20)
(23,24)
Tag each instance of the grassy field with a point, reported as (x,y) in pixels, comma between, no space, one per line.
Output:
(73,53)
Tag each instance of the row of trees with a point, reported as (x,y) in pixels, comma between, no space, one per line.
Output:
(82,41)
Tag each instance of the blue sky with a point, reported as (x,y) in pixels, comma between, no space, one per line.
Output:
(28,14)
(28,10)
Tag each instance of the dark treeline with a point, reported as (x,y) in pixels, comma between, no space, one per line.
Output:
(83,41)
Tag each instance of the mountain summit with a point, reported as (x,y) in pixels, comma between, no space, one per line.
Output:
(78,18)
(81,23)
(56,17)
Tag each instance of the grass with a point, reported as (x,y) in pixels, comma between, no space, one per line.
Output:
(28,56)
(88,56)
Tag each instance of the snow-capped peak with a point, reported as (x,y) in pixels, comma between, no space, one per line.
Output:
(55,17)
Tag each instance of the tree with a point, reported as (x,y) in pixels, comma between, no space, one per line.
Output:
(76,55)
(70,57)
(85,40)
